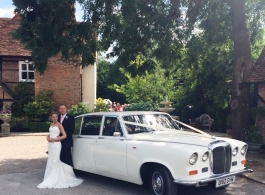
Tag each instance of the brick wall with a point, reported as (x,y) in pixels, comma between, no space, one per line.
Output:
(10,71)
(63,78)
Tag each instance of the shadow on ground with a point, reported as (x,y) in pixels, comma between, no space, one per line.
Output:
(9,166)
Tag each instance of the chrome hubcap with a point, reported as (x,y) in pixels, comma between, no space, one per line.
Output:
(158,183)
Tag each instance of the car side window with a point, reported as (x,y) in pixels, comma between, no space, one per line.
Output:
(91,125)
(111,125)
(78,122)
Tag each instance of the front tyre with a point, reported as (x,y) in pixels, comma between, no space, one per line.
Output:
(161,182)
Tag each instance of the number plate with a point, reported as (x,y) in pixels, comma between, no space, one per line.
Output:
(224,181)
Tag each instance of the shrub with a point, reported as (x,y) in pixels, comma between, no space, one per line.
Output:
(147,106)
(23,94)
(39,126)
(79,109)
(41,107)
(101,106)
(19,122)
(251,134)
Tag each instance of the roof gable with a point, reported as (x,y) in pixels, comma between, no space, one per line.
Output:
(257,73)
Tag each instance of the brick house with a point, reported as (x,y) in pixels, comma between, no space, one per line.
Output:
(70,84)
(257,78)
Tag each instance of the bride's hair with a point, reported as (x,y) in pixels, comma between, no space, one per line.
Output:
(54,113)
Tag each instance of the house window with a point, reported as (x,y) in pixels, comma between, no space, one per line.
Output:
(26,71)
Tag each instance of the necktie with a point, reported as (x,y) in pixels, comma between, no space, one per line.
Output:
(62,117)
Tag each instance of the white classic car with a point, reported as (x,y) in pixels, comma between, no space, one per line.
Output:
(150,147)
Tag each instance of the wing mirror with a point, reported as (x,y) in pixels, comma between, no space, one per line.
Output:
(116,134)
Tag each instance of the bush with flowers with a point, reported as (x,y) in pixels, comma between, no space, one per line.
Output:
(102,106)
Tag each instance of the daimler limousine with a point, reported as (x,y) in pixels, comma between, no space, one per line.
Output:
(153,148)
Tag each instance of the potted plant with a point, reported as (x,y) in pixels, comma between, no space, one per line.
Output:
(5,116)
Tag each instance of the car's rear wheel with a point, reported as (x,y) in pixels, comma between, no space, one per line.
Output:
(161,182)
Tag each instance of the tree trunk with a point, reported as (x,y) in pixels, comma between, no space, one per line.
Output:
(240,100)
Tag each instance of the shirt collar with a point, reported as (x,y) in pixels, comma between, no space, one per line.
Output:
(63,115)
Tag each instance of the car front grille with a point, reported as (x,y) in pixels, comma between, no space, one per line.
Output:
(220,157)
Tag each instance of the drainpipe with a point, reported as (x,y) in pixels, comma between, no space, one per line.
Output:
(81,84)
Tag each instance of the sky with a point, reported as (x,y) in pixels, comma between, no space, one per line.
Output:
(7,9)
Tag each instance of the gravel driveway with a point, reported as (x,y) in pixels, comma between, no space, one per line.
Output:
(20,154)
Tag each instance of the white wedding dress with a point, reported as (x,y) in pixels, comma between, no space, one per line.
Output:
(57,174)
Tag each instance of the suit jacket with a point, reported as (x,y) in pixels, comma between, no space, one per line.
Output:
(69,127)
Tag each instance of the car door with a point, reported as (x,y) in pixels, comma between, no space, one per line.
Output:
(84,143)
(110,150)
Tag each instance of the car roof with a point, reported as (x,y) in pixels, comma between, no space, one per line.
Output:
(122,113)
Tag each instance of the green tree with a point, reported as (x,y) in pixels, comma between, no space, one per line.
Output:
(149,86)
(159,30)
(107,75)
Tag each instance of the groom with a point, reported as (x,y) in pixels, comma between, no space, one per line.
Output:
(68,123)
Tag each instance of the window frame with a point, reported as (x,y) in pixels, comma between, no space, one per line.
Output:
(118,123)
(20,63)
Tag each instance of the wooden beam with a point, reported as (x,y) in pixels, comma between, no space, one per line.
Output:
(6,88)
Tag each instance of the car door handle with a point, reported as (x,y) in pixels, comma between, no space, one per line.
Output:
(101,137)
(79,136)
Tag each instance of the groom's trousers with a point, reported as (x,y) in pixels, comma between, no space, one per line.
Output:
(66,155)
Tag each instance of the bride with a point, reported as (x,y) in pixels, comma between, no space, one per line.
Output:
(57,174)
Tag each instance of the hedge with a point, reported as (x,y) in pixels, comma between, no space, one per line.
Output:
(39,126)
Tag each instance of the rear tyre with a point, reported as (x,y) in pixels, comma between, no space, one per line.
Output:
(160,181)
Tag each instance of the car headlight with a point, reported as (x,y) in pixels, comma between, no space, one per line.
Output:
(193,158)
(205,156)
(235,151)
(244,149)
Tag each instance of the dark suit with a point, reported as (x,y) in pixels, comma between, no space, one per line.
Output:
(67,143)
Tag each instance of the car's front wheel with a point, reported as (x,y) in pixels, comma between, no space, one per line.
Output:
(161,182)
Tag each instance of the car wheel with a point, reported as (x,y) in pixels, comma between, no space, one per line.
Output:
(161,182)
(212,184)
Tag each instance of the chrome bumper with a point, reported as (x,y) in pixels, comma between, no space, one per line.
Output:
(200,182)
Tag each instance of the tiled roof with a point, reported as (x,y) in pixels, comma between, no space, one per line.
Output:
(258,72)
(9,46)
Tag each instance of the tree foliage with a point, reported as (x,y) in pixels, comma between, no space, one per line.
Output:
(49,28)
(197,41)
(107,75)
